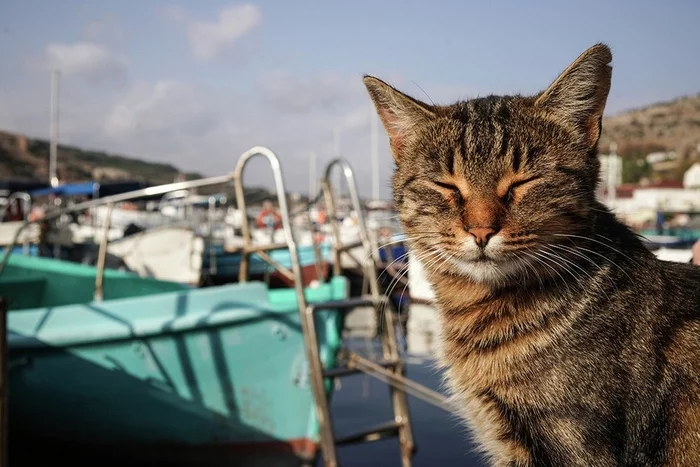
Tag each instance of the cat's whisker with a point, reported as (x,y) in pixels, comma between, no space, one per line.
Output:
(606,258)
(575,252)
(556,256)
(526,264)
(424,258)
(598,242)
(593,281)
(552,268)
(388,266)
(441,259)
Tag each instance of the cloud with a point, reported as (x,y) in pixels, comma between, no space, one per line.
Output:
(108,28)
(209,39)
(91,61)
(162,108)
(205,129)
(286,92)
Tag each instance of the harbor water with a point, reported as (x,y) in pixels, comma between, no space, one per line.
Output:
(441,437)
(361,401)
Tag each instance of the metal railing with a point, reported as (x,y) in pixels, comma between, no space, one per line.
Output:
(111,200)
(235,177)
(21,196)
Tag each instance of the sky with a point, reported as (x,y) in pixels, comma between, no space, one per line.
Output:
(197,83)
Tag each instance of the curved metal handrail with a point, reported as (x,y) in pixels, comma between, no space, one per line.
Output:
(284,213)
(357,207)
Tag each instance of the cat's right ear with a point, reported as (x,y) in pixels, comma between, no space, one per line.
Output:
(400,114)
(577,97)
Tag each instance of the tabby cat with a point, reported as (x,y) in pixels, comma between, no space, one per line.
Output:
(565,341)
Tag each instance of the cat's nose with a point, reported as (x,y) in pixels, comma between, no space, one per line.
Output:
(482,235)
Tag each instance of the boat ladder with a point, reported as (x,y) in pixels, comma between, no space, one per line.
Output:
(390,367)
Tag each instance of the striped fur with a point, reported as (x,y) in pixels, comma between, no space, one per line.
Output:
(565,341)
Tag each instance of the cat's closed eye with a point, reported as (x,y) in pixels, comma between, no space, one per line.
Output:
(446,186)
(454,192)
(509,196)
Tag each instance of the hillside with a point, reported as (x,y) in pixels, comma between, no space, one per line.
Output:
(662,127)
(23,158)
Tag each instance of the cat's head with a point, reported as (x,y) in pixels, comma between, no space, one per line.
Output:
(489,188)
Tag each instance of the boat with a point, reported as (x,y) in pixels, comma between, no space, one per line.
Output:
(160,371)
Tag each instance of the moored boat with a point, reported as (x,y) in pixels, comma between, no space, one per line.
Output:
(160,371)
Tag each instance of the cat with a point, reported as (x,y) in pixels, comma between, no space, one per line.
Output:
(565,341)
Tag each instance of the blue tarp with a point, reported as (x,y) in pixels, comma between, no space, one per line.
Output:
(89,189)
(69,189)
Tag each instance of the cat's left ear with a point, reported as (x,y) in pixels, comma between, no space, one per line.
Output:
(400,114)
(577,97)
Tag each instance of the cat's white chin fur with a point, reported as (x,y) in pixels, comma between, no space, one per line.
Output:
(491,269)
(481,271)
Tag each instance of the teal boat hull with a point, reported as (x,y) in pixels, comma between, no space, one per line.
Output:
(229,263)
(192,376)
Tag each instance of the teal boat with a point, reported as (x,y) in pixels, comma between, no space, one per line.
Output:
(225,266)
(159,371)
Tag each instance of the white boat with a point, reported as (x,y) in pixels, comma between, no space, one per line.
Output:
(169,253)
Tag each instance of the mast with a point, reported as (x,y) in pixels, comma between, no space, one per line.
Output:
(53,150)
(312,176)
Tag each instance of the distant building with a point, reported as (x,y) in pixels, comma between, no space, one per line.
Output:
(639,203)
(610,174)
(663,161)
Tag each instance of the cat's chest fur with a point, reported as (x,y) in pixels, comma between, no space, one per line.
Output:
(512,364)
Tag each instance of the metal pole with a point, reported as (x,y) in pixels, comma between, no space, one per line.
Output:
(389,341)
(102,256)
(312,176)
(374,150)
(53,178)
(3,383)
(400,382)
(212,226)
